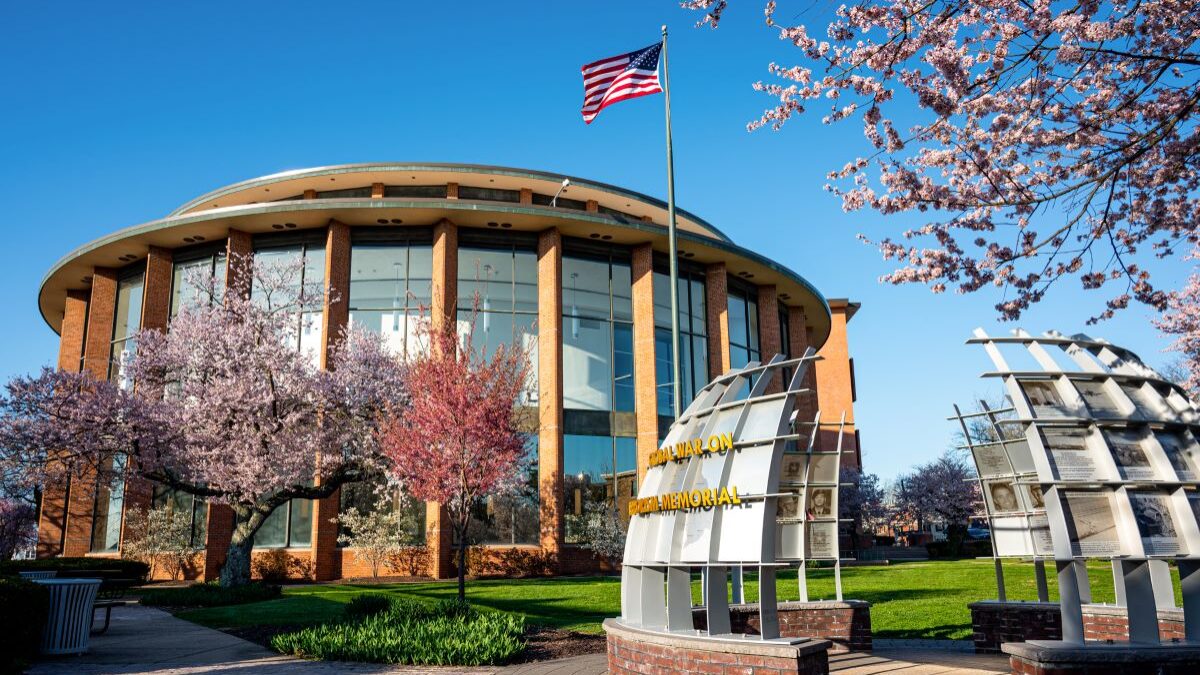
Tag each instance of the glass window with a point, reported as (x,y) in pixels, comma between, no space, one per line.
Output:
(693,339)
(308,333)
(743,328)
(597,470)
(597,338)
(367,498)
(181,502)
(513,518)
(184,292)
(106,511)
(505,280)
(128,321)
(289,525)
(390,286)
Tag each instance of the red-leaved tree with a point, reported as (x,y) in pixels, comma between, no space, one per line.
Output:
(224,406)
(457,440)
(1042,140)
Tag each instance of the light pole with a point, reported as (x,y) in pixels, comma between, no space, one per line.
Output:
(562,188)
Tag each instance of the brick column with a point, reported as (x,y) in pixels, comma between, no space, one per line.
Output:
(550,389)
(377,190)
(53,516)
(156,313)
(835,385)
(645,381)
(326,558)
(770,342)
(716,300)
(526,196)
(443,315)
(798,336)
(96,345)
(238,251)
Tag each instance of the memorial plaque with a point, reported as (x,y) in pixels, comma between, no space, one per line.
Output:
(823,468)
(822,541)
(1092,525)
(1179,451)
(1045,398)
(820,503)
(1152,511)
(992,460)
(1034,497)
(1002,496)
(1097,398)
(788,507)
(1069,452)
(1129,454)
(1039,530)
(792,469)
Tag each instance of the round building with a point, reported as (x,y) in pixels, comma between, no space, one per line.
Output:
(579,275)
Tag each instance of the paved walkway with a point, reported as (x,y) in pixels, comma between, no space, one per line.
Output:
(152,642)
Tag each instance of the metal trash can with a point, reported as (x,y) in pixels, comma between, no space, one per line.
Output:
(44,574)
(69,621)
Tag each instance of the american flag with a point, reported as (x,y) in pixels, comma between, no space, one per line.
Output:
(619,78)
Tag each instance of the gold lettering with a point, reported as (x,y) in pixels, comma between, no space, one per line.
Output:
(694,497)
(727,441)
(706,497)
(734,496)
(723,497)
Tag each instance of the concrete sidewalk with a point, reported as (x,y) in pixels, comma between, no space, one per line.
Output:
(152,642)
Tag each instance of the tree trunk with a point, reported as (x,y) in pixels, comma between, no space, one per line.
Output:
(236,570)
(462,570)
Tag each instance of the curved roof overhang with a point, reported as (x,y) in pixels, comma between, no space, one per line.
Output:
(74,270)
(281,185)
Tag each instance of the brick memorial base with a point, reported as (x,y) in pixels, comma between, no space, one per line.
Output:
(1048,657)
(995,623)
(845,623)
(636,651)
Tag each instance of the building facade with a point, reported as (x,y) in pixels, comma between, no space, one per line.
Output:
(579,277)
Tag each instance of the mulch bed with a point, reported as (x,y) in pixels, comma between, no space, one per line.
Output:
(543,644)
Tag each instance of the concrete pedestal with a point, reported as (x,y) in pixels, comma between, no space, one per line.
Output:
(635,651)
(1049,657)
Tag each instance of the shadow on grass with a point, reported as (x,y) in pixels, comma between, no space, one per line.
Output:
(943,632)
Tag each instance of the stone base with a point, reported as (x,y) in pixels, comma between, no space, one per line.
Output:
(636,651)
(845,623)
(1049,657)
(995,623)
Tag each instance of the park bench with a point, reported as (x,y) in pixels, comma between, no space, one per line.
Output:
(113,588)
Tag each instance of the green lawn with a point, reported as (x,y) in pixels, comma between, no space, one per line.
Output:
(909,600)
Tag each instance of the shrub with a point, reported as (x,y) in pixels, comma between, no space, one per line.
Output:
(942,550)
(276,565)
(210,594)
(160,537)
(366,605)
(23,607)
(111,567)
(444,634)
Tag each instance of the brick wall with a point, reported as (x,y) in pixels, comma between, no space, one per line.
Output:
(995,623)
(634,651)
(1043,659)
(846,624)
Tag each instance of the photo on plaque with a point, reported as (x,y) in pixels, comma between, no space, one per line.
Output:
(822,540)
(1092,526)
(820,503)
(1035,498)
(1096,396)
(1177,448)
(1152,511)
(823,468)
(1129,454)
(1045,399)
(792,469)
(992,460)
(1069,452)
(788,507)
(1002,496)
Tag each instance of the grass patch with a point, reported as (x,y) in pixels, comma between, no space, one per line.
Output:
(909,600)
(446,633)
(209,594)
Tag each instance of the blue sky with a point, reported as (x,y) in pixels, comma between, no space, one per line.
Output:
(115,113)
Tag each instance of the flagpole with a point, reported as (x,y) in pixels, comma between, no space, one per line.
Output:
(672,245)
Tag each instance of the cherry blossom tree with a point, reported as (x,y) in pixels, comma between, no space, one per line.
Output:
(226,408)
(458,440)
(1039,141)
(860,500)
(944,491)
(18,527)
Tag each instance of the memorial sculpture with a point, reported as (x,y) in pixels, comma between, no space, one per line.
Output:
(1096,457)
(736,484)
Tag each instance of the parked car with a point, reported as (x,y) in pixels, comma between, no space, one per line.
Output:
(979,533)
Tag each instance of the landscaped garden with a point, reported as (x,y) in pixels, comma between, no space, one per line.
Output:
(909,600)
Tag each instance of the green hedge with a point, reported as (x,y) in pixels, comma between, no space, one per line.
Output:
(116,567)
(362,606)
(447,633)
(210,594)
(941,550)
(23,607)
